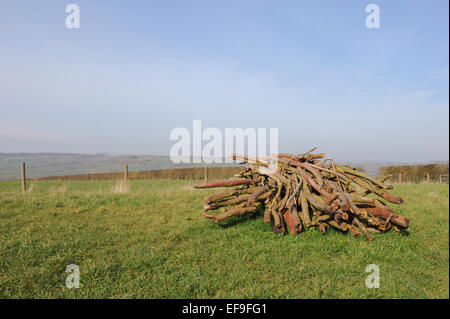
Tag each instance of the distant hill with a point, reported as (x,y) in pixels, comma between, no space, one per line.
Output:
(55,164)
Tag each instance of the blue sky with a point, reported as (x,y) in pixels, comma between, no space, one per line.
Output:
(135,70)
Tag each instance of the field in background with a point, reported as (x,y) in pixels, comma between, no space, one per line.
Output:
(404,174)
(196,173)
(59,164)
(148,240)
(56,164)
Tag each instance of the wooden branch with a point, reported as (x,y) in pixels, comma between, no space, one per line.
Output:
(225,183)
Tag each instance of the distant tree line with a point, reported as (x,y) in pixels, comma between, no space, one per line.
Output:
(415,173)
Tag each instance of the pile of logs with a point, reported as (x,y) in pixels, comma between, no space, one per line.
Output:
(303,191)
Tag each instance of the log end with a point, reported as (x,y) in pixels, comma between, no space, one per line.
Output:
(393,199)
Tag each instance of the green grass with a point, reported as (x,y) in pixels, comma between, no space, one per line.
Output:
(153,243)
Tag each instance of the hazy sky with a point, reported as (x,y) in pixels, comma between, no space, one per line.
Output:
(135,70)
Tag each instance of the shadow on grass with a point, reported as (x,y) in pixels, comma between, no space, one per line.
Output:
(234,220)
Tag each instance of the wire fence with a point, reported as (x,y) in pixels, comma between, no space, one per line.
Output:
(443,178)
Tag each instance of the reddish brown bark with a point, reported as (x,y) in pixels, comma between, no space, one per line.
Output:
(235,182)
(386,213)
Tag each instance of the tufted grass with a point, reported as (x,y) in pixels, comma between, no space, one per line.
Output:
(148,240)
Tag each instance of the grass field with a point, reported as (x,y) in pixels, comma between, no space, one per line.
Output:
(152,242)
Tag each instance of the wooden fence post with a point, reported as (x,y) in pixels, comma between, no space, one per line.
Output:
(24,179)
(125,173)
(428,178)
(206,174)
(400,178)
